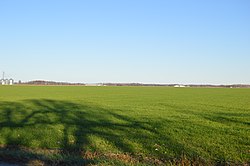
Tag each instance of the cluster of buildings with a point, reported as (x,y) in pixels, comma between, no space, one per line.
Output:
(180,86)
(5,81)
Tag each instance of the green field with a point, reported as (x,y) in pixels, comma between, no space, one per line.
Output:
(124,125)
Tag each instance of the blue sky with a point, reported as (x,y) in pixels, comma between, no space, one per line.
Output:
(148,41)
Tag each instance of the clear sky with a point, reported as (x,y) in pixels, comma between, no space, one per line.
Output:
(147,41)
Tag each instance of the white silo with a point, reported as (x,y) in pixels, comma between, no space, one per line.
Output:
(6,82)
(11,81)
(2,82)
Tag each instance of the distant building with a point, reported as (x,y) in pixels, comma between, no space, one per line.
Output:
(11,81)
(7,81)
(2,82)
(179,86)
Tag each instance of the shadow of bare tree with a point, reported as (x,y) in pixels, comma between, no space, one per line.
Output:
(61,132)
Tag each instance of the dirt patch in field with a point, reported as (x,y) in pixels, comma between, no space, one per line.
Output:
(14,156)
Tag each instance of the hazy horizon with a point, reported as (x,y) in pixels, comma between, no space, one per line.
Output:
(156,83)
(170,42)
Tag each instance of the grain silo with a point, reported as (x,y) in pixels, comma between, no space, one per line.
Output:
(11,81)
(2,82)
(7,82)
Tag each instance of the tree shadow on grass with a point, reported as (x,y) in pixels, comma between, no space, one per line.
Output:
(61,132)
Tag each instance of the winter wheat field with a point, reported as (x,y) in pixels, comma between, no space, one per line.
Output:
(77,125)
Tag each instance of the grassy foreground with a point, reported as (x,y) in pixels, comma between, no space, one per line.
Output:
(124,125)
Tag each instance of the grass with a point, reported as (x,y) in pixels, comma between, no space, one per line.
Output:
(59,125)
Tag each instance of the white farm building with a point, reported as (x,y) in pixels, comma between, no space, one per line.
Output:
(179,86)
(7,81)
